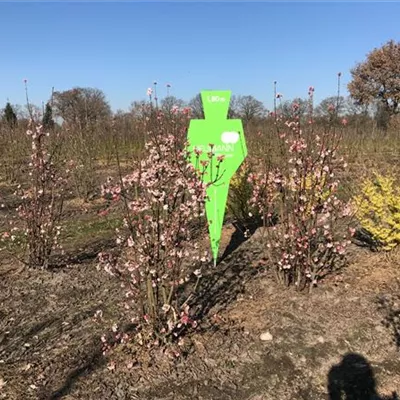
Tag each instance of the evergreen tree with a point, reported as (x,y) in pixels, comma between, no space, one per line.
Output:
(9,116)
(48,122)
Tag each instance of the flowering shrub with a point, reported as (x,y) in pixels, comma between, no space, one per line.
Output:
(301,194)
(163,200)
(378,210)
(40,211)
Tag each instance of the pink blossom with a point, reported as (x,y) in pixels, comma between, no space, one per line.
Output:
(159,224)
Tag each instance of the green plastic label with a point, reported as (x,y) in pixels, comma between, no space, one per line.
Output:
(218,147)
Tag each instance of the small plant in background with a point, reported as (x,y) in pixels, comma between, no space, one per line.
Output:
(37,223)
(378,210)
(163,199)
(301,194)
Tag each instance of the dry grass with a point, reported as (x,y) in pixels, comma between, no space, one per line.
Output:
(50,344)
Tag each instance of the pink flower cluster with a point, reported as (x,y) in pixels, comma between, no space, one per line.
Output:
(181,110)
(301,195)
(164,200)
(41,203)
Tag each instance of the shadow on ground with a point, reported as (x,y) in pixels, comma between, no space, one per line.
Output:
(353,379)
(242,233)
(220,287)
(93,361)
(87,254)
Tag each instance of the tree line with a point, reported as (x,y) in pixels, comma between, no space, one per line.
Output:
(374,91)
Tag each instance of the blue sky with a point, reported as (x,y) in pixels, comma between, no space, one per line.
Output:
(122,47)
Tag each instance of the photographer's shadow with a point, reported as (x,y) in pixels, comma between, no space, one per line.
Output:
(353,379)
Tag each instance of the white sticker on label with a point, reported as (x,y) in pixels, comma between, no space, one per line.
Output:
(230,137)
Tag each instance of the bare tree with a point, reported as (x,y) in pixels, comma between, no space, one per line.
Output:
(288,107)
(140,109)
(82,106)
(196,106)
(247,107)
(169,103)
(332,105)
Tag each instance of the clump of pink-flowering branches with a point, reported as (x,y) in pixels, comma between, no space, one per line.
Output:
(37,223)
(301,196)
(163,199)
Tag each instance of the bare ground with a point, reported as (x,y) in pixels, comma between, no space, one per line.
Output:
(344,333)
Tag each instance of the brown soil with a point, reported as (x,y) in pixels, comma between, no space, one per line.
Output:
(50,343)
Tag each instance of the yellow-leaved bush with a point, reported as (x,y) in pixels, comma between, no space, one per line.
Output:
(240,192)
(378,210)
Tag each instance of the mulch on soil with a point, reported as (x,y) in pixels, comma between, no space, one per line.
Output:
(50,344)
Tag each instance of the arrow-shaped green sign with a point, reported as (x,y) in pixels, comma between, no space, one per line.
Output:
(217,147)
